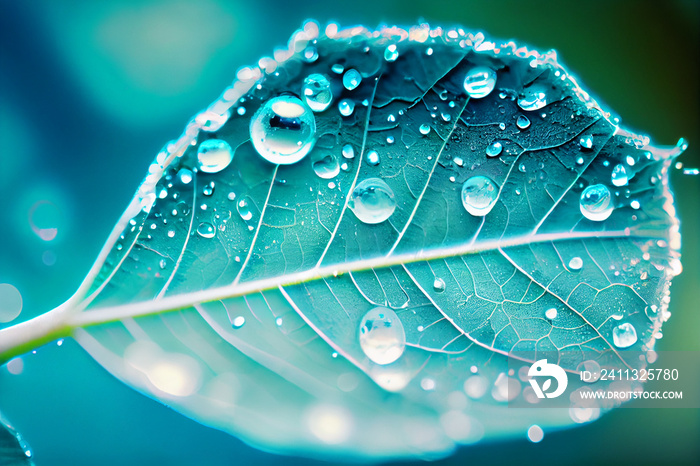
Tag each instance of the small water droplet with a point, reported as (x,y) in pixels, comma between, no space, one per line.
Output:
(317,92)
(185,176)
(348,151)
(346,107)
(372,158)
(586,142)
(619,175)
(635,204)
(624,335)
(596,202)
(283,130)
(382,336)
(523,122)
(337,68)
(214,155)
(171,234)
(206,230)
(310,54)
(162,264)
(372,201)
(551,314)
(458,161)
(424,129)
(244,210)
(238,322)
(391,53)
(630,160)
(494,149)
(502,126)
(208,190)
(438,285)
(533,98)
(576,263)
(390,139)
(479,195)
(479,82)
(326,166)
(351,79)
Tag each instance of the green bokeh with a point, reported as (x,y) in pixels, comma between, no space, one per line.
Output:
(89,92)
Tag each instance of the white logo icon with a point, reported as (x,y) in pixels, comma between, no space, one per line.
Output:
(543,369)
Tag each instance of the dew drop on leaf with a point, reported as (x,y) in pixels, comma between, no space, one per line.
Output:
(372,158)
(206,230)
(382,336)
(326,166)
(317,92)
(479,82)
(351,79)
(346,107)
(424,129)
(551,314)
(575,263)
(494,149)
(214,155)
(479,195)
(391,53)
(596,202)
(619,175)
(283,130)
(523,122)
(533,98)
(372,201)
(238,322)
(624,335)
(586,142)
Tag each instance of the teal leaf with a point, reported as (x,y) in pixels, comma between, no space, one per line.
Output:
(14,451)
(345,253)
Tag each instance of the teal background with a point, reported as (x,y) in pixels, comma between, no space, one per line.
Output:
(90,91)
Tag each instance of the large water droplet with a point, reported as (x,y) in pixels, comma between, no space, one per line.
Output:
(372,201)
(283,130)
(533,98)
(206,230)
(391,53)
(372,158)
(424,129)
(351,79)
(619,175)
(346,107)
(479,82)
(348,151)
(596,202)
(382,336)
(523,122)
(317,92)
(326,166)
(214,155)
(624,335)
(494,149)
(479,195)
(575,263)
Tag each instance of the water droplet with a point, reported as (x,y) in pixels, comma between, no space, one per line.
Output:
(214,155)
(635,204)
(238,322)
(337,68)
(479,82)
(348,151)
(502,126)
(372,158)
(458,161)
(283,130)
(351,79)
(533,98)
(206,230)
(163,264)
(382,336)
(522,168)
(579,161)
(630,160)
(208,190)
(326,166)
(586,142)
(596,202)
(185,176)
(171,234)
(244,210)
(438,285)
(391,53)
(523,122)
(494,149)
(551,314)
(310,54)
(429,51)
(424,129)
(624,335)
(619,175)
(575,263)
(346,107)
(479,195)
(372,201)
(317,92)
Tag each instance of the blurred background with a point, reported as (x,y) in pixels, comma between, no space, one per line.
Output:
(90,91)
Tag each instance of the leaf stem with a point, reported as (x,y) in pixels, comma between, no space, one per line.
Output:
(29,335)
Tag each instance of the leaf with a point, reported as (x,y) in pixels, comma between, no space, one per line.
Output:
(13,450)
(273,301)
